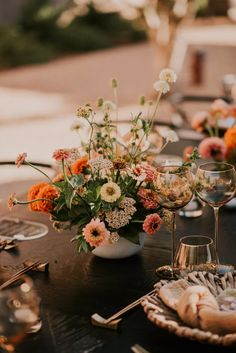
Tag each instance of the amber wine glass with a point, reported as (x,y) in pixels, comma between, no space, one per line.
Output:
(215,184)
(175,190)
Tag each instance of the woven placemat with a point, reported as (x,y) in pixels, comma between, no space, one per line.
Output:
(168,319)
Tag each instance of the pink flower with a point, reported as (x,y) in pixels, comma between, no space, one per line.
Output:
(152,223)
(61,154)
(212,147)
(148,198)
(220,107)
(95,232)
(20,159)
(199,120)
(150,172)
(12,201)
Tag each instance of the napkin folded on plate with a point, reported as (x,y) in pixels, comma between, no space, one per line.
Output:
(197,307)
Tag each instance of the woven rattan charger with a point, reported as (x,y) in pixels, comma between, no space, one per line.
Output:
(168,319)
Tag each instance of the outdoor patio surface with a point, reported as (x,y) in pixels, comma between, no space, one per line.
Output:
(38,103)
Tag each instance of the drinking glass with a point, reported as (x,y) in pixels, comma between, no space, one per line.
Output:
(19,313)
(215,184)
(174,189)
(195,253)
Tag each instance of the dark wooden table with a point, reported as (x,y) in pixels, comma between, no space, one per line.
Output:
(80,285)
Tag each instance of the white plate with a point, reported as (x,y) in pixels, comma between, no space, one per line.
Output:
(14,228)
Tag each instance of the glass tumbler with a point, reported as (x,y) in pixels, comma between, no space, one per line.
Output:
(195,253)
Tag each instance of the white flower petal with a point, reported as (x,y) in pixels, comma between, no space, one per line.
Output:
(168,135)
(168,75)
(161,86)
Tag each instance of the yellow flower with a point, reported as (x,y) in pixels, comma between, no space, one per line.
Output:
(110,192)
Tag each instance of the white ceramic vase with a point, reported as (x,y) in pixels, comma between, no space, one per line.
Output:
(121,249)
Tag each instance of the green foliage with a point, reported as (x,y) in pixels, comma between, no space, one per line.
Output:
(17,48)
(77,180)
(37,37)
(131,232)
(80,38)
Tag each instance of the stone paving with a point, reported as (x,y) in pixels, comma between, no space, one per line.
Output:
(37,103)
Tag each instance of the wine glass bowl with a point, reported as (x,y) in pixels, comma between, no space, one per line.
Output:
(215,184)
(174,186)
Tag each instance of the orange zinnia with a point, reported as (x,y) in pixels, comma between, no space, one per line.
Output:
(230,138)
(79,166)
(33,194)
(48,192)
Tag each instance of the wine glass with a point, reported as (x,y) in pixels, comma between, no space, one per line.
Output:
(19,313)
(174,189)
(215,184)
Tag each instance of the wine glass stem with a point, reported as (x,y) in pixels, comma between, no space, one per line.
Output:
(173,238)
(216,214)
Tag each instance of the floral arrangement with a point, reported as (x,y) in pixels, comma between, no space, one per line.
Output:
(105,189)
(217,145)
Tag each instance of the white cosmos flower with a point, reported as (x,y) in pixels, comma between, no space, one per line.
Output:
(169,135)
(161,86)
(168,75)
(109,105)
(110,192)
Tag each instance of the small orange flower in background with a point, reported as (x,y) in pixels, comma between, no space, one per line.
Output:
(230,138)
(79,166)
(33,194)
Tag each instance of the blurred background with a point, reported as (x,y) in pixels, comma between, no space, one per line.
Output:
(58,54)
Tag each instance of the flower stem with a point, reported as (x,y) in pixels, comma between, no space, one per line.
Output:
(209,129)
(117,175)
(90,140)
(217,128)
(116,103)
(17,202)
(155,110)
(64,172)
(39,170)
